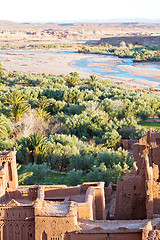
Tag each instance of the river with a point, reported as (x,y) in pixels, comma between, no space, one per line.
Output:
(116,70)
(64,62)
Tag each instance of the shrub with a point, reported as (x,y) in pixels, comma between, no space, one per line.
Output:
(40,175)
(74,177)
(144,114)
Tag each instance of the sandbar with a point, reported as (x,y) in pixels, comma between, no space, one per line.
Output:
(51,62)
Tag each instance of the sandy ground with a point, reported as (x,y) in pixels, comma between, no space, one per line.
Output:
(58,64)
(142,71)
(41,62)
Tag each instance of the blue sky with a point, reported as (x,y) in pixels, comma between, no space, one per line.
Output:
(81,10)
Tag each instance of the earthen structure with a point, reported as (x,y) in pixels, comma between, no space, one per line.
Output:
(128,210)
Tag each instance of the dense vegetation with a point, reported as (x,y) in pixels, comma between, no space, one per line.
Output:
(137,52)
(71,125)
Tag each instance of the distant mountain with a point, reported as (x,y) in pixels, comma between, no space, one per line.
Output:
(140,20)
(119,22)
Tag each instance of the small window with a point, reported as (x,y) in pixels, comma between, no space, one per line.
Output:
(158,141)
(30,234)
(134,187)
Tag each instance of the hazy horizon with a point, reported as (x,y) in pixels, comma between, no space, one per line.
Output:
(71,11)
(119,20)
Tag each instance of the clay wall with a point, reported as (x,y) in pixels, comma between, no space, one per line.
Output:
(23,193)
(99,203)
(127,144)
(16,212)
(156,197)
(86,210)
(94,205)
(106,236)
(3,183)
(13,194)
(17,223)
(8,161)
(107,192)
(130,198)
(19,230)
(139,152)
(154,137)
(85,186)
(60,192)
(154,155)
(53,227)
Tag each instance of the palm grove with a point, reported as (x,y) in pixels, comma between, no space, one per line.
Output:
(70,124)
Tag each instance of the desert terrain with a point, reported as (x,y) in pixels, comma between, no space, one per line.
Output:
(53,37)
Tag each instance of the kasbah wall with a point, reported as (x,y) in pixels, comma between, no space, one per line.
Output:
(129,210)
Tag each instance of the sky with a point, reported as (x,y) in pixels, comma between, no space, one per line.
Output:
(77,10)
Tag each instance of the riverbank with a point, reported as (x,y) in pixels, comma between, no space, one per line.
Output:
(49,62)
(61,63)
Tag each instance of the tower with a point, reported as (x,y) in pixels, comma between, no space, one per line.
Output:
(8,171)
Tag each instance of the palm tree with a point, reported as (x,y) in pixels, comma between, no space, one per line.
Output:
(93,78)
(38,143)
(43,114)
(43,102)
(3,129)
(25,141)
(18,104)
(23,176)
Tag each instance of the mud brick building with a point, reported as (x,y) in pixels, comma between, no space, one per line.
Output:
(128,210)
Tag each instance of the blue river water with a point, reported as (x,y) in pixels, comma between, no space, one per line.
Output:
(86,64)
(87,60)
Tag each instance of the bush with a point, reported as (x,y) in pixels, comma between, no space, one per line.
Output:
(144,114)
(110,139)
(40,174)
(74,177)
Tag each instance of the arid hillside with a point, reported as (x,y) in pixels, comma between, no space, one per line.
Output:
(24,33)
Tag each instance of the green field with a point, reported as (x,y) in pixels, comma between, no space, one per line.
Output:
(148,125)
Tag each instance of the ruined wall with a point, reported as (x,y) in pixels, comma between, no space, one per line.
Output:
(130,198)
(138,196)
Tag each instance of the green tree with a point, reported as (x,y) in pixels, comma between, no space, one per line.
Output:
(38,144)
(144,114)
(111,138)
(22,176)
(40,174)
(43,103)
(3,129)
(25,147)
(93,78)
(18,104)
(74,177)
